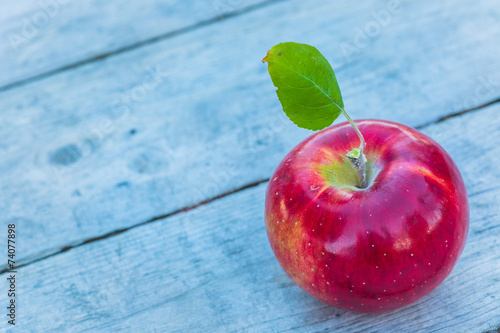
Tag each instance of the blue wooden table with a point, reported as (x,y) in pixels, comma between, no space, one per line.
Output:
(137,139)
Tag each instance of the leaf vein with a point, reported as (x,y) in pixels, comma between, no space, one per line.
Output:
(314,83)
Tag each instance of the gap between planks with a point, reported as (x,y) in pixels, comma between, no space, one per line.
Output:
(459,113)
(65,248)
(51,253)
(139,44)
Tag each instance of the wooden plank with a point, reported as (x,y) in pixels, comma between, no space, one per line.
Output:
(212,269)
(110,145)
(43,36)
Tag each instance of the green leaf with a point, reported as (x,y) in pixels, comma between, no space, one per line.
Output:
(307,87)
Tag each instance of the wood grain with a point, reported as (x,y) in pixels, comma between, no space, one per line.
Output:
(212,270)
(109,145)
(40,37)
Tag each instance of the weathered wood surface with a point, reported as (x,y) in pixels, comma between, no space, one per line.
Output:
(211,269)
(109,145)
(40,37)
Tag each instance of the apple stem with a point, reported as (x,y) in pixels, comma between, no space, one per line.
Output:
(357,156)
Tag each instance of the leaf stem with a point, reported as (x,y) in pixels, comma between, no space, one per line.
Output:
(361,138)
(356,156)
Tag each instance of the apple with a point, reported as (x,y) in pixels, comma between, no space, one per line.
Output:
(372,249)
(368,229)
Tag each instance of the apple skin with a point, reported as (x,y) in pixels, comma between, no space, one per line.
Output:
(367,250)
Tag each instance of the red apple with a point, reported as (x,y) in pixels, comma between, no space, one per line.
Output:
(374,249)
